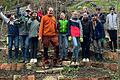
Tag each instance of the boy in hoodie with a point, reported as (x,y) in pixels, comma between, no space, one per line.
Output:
(76,33)
(13,35)
(33,35)
(63,36)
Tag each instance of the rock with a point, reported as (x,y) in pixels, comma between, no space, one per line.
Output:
(113,67)
(61,77)
(97,64)
(19,66)
(17,77)
(31,77)
(24,77)
(13,66)
(66,63)
(49,78)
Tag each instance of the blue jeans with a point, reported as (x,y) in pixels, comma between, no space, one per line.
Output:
(63,45)
(33,47)
(13,40)
(76,48)
(97,46)
(24,41)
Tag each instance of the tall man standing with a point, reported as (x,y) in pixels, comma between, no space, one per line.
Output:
(112,28)
(48,34)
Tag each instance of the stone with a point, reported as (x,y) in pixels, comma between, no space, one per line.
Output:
(113,67)
(31,77)
(49,78)
(60,77)
(8,67)
(66,63)
(24,77)
(19,66)
(17,77)
(97,64)
(13,66)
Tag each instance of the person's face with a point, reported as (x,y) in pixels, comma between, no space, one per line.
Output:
(50,12)
(98,11)
(112,11)
(94,18)
(62,16)
(28,13)
(34,15)
(75,15)
(85,16)
(12,17)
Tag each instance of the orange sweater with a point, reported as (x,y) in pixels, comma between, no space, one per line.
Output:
(47,26)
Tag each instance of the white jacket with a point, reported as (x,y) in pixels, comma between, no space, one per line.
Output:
(111,21)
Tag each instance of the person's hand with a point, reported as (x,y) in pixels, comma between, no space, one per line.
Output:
(91,40)
(108,37)
(69,38)
(40,39)
(81,39)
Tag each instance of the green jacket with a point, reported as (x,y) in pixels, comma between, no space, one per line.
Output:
(63,26)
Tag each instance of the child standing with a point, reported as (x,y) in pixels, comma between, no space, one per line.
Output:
(63,35)
(33,35)
(77,36)
(98,34)
(13,35)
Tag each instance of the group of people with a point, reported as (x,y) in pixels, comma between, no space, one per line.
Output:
(29,28)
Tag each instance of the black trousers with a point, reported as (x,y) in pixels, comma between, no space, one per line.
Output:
(86,47)
(113,37)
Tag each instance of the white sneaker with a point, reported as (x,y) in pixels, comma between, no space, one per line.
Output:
(87,60)
(31,60)
(35,60)
(84,60)
(73,63)
(77,63)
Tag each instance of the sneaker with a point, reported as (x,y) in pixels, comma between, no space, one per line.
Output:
(31,60)
(77,63)
(87,60)
(72,63)
(35,60)
(84,60)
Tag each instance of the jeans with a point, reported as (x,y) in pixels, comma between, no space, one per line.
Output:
(33,47)
(76,48)
(13,40)
(97,46)
(63,45)
(113,37)
(86,47)
(24,41)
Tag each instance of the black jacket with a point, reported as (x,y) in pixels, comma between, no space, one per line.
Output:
(87,28)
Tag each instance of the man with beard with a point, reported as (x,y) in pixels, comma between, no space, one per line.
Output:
(102,19)
(98,34)
(87,34)
(48,34)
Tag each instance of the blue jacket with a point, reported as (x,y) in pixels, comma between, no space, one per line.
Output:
(12,28)
(98,31)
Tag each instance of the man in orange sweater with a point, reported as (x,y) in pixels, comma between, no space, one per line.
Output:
(48,34)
